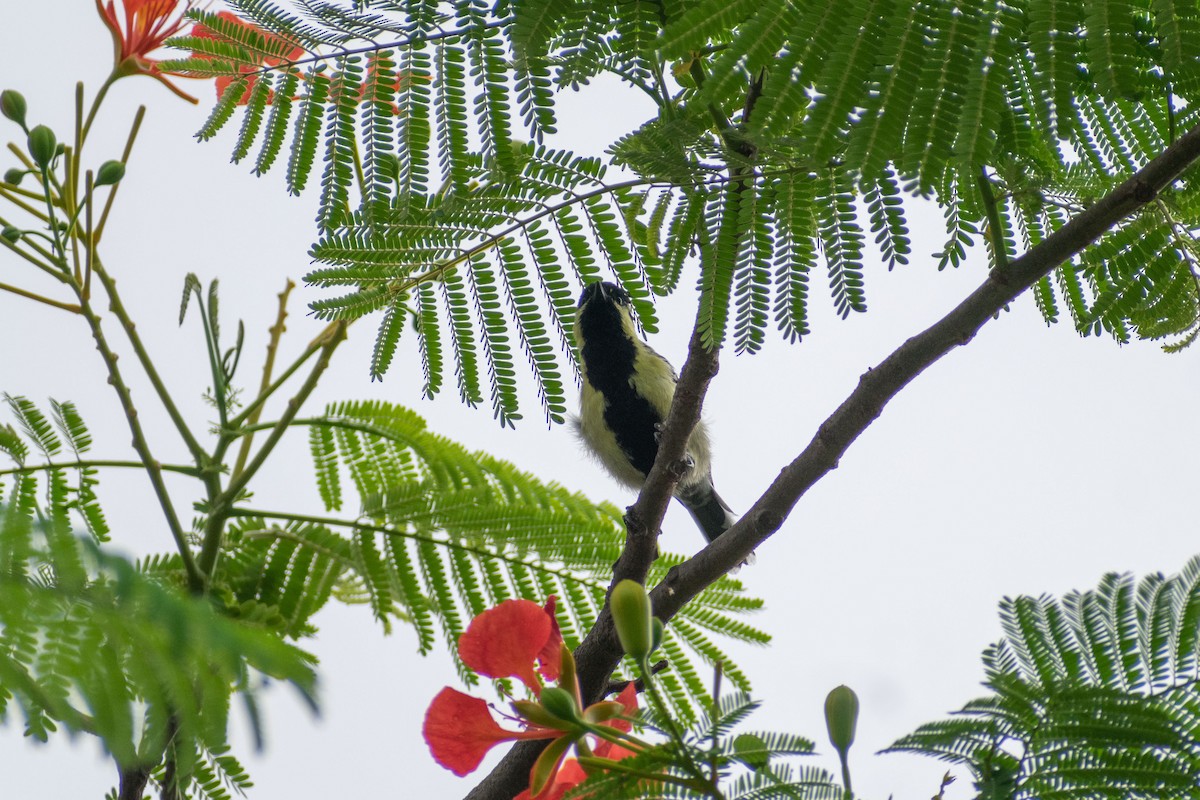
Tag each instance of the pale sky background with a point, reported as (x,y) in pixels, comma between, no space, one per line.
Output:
(1030,461)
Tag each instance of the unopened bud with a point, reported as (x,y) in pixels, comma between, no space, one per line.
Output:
(42,145)
(559,703)
(11,234)
(12,105)
(657,629)
(14,176)
(110,172)
(841,717)
(630,607)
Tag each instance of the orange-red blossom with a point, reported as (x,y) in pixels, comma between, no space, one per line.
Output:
(507,642)
(138,30)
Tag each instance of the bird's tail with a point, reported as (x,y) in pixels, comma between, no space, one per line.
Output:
(711,513)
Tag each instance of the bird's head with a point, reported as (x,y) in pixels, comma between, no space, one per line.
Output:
(604,310)
(603,292)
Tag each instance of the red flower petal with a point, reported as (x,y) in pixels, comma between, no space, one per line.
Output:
(607,749)
(505,641)
(627,698)
(460,731)
(569,775)
(549,658)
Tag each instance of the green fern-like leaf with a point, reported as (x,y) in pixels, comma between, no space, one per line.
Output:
(1096,689)
(93,644)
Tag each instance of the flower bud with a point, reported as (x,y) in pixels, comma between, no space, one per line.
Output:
(630,607)
(42,145)
(14,176)
(657,629)
(12,105)
(841,717)
(559,703)
(11,234)
(533,712)
(110,172)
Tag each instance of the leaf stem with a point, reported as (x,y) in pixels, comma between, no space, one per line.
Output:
(313,348)
(703,787)
(222,504)
(112,193)
(21,204)
(183,469)
(449,544)
(122,315)
(153,469)
(104,87)
(276,332)
(74,309)
(13,188)
(992,212)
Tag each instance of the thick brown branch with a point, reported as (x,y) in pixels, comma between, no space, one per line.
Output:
(599,653)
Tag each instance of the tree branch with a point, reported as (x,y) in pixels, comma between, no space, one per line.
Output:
(600,651)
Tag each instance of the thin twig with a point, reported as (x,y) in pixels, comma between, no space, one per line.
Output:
(21,204)
(183,469)
(275,331)
(74,309)
(153,469)
(160,388)
(222,505)
(313,348)
(112,193)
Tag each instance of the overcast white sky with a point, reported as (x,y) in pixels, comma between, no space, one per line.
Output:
(1031,461)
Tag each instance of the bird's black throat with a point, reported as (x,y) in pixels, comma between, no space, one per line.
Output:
(608,359)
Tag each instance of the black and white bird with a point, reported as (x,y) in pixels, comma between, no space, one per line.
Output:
(627,392)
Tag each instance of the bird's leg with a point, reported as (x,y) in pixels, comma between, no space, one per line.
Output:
(689,462)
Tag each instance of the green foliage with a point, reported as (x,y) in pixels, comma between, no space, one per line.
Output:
(91,643)
(1093,695)
(445,533)
(783,130)
(711,757)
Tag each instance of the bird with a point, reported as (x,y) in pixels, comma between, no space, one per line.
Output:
(627,392)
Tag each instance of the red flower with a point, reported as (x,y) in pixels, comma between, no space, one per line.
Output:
(506,641)
(147,24)
(460,730)
(570,774)
(278,51)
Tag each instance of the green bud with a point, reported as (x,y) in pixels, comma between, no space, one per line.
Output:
(631,614)
(841,717)
(42,145)
(12,105)
(11,234)
(110,172)
(559,703)
(657,629)
(535,713)
(14,176)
